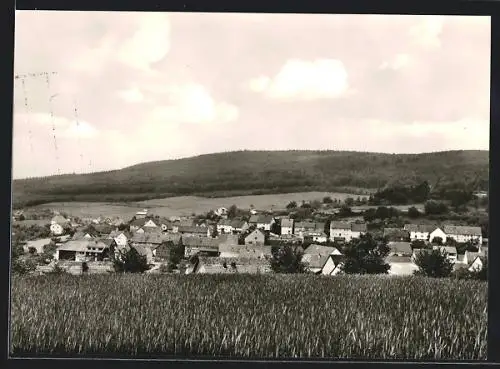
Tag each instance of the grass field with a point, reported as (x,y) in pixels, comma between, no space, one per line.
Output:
(186,205)
(250,316)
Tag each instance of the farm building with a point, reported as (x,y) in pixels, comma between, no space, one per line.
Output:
(286,226)
(230,265)
(302,227)
(400,248)
(319,237)
(401,265)
(150,240)
(396,234)
(264,222)
(437,234)
(346,231)
(464,234)
(419,231)
(257,237)
(200,246)
(83,250)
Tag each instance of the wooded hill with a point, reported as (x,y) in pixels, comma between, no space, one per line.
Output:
(258,172)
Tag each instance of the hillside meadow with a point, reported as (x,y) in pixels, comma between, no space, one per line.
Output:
(249,316)
(256,173)
(186,205)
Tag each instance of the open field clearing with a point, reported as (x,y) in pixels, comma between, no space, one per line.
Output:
(250,316)
(186,205)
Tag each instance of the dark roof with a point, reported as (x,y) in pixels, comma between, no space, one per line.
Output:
(200,242)
(148,238)
(193,229)
(340,225)
(423,228)
(261,218)
(358,227)
(320,249)
(310,225)
(400,248)
(138,222)
(462,230)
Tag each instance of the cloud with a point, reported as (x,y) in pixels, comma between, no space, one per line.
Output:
(149,44)
(64,128)
(399,61)
(133,95)
(192,103)
(304,80)
(427,33)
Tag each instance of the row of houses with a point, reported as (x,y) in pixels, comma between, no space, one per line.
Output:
(429,232)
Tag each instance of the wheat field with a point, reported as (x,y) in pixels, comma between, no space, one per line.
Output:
(249,316)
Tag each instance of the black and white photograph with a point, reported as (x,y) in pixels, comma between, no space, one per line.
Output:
(250,186)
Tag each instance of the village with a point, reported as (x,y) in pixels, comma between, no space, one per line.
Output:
(240,241)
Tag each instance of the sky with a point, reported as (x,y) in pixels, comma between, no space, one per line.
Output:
(157,86)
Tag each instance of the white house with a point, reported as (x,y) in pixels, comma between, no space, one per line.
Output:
(286,226)
(120,238)
(264,222)
(463,234)
(345,231)
(437,233)
(419,231)
(333,264)
(478,264)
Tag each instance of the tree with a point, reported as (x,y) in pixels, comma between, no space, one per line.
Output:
(85,267)
(232,211)
(22,217)
(131,262)
(345,211)
(292,205)
(287,259)
(176,254)
(327,200)
(366,255)
(19,266)
(437,241)
(349,201)
(434,264)
(413,212)
(435,208)
(418,244)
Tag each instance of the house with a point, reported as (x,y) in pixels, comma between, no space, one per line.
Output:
(346,231)
(315,256)
(149,224)
(470,256)
(257,237)
(83,250)
(194,245)
(84,235)
(164,224)
(194,231)
(151,240)
(478,264)
(437,233)
(141,214)
(36,245)
(264,222)
(121,238)
(451,252)
(57,225)
(221,212)
(286,226)
(401,265)
(333,264)
(302,227)
(396,235)
(319,237)
(162,252)
(231,226)
(463,234)
(400,249)
(137,224)
(419,231)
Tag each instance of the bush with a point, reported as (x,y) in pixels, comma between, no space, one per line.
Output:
(435,208)
(131,262)
(287,259)
(366,255)
(434,264)
(413,212)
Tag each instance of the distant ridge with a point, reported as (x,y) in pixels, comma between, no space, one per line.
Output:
(252,172)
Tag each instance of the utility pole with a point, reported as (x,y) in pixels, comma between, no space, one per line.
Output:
(47,76)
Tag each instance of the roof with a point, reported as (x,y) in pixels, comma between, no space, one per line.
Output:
(192,229)
(83,245)
(38,244)
(212,243)
(358,227)
(261,218)
(320,249)
(59,219)
(225,222)
(447,249)
(400,247)
(396,232)
(228,238)
(310,225)
(148,237)
(398,259)
(108,242)
(143,251)
(315,256)
(139,222)
(471,256)
(340,225)
(423,228)
(258,231)
(287,223)
(462,230)
(238,223)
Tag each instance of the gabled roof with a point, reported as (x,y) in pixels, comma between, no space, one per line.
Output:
(340,225)
(192,229)
(315,256)
(148,238)
(83,246)
(462,230)
(258,231)
(400,248)
(422,228)
(201,242)
(447,249)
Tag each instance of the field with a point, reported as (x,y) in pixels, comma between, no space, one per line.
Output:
(186,205)
(249,316)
